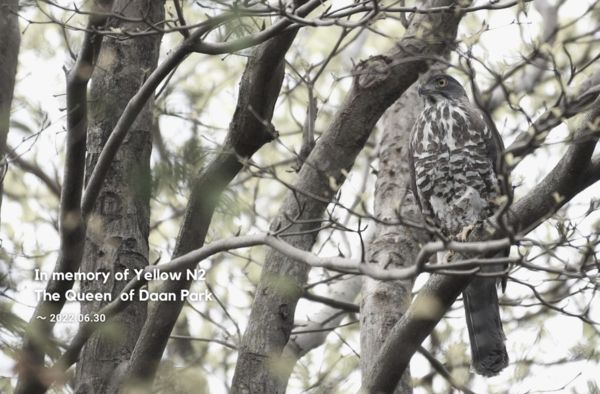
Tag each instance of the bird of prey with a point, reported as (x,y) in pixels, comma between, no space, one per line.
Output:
(453,154)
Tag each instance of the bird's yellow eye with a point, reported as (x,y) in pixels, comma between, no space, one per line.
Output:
(441,83)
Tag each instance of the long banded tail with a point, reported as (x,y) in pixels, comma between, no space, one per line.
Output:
(486,335)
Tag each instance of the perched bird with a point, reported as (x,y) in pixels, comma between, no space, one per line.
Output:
(453,154)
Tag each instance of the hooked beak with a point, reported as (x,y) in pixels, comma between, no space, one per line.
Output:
(423,91)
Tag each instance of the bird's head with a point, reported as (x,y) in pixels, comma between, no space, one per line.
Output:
(441,86)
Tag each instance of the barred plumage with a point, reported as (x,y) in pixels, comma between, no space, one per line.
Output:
(453,157)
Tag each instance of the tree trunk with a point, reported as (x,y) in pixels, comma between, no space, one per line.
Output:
(383,303)
(117,236)
(9,56)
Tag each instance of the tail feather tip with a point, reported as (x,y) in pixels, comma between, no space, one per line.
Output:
(492,364)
